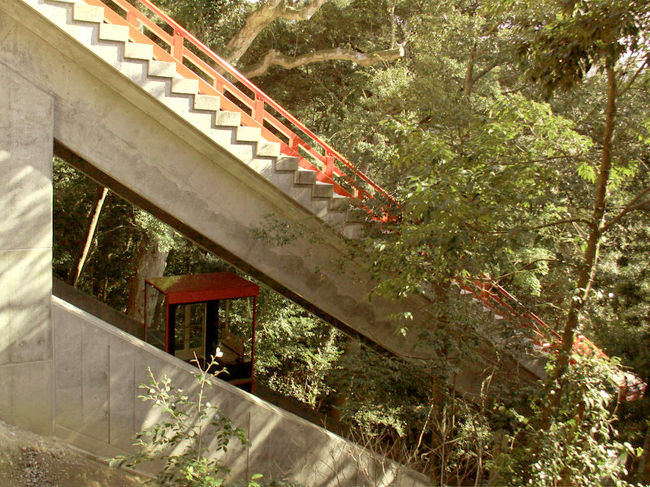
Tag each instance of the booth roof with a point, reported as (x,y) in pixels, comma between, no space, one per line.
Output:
(194,288)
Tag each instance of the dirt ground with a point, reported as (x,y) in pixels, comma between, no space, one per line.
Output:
(29,460)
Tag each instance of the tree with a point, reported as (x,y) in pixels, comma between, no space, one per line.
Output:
(246,21)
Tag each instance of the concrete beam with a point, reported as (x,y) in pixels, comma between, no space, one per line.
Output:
(26,137)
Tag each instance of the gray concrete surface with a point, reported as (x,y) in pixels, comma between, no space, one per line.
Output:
(139,147)
(97,373)
(25,252)
(96,308)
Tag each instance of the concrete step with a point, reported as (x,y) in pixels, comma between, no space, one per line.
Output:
(323,190)
(286,163)
(336,218)
(248,134)
(339,203)
(305,176)
(228,119)
(135,50)
(206,102)
(112,32)
(356,215)
(353,231)
(185,86)
(266,148)
(162,69)
(87,13)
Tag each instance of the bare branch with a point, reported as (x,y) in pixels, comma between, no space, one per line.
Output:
(633,78)
(527,229)
(275,58)
(486,70)
(635,204)
(269,11)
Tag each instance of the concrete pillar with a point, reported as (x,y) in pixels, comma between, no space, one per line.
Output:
(26,127)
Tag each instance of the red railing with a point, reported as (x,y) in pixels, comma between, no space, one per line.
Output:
(495,297)
(173,43)
(169,41)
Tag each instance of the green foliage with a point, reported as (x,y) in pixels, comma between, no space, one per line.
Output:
(576,35)
(189,436)
(578,445)
(296,351)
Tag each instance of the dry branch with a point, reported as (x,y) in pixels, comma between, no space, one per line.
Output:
(275,58)
(269,11)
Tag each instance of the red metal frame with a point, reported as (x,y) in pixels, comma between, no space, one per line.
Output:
(198,288)
(495,297)
(330,166)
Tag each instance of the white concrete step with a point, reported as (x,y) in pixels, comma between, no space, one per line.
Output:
(228,119)
(136,50)
(185,86)
(87,13)
(249,134)
(112,32)
(266,148)
(162,69)
(206,102)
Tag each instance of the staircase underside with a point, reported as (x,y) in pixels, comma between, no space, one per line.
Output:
(130,142)
(142,149)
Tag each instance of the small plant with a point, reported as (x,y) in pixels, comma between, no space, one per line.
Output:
(188,436)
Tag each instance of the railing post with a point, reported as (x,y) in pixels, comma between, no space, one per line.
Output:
(131,18)
(177,47)
(329,167)
(293,143)
(259,110)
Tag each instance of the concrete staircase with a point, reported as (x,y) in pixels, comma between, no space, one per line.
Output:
(161,80)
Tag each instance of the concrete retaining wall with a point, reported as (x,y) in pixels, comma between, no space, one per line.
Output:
(97,373)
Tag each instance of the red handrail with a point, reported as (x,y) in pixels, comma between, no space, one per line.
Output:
(495,297)
(333,165)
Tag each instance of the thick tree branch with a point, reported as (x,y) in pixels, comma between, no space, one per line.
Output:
(275,58)
(269,11)
(486,70)
(527,229)
(635,204)
(633,78)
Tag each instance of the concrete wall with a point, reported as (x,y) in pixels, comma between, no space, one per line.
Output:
(26,124)
(97,373)
(138,147)
(65,372)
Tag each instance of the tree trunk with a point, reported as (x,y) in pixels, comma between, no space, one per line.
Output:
(151,262)
(91,228)
(469,73)
(262,17)
(590,258)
